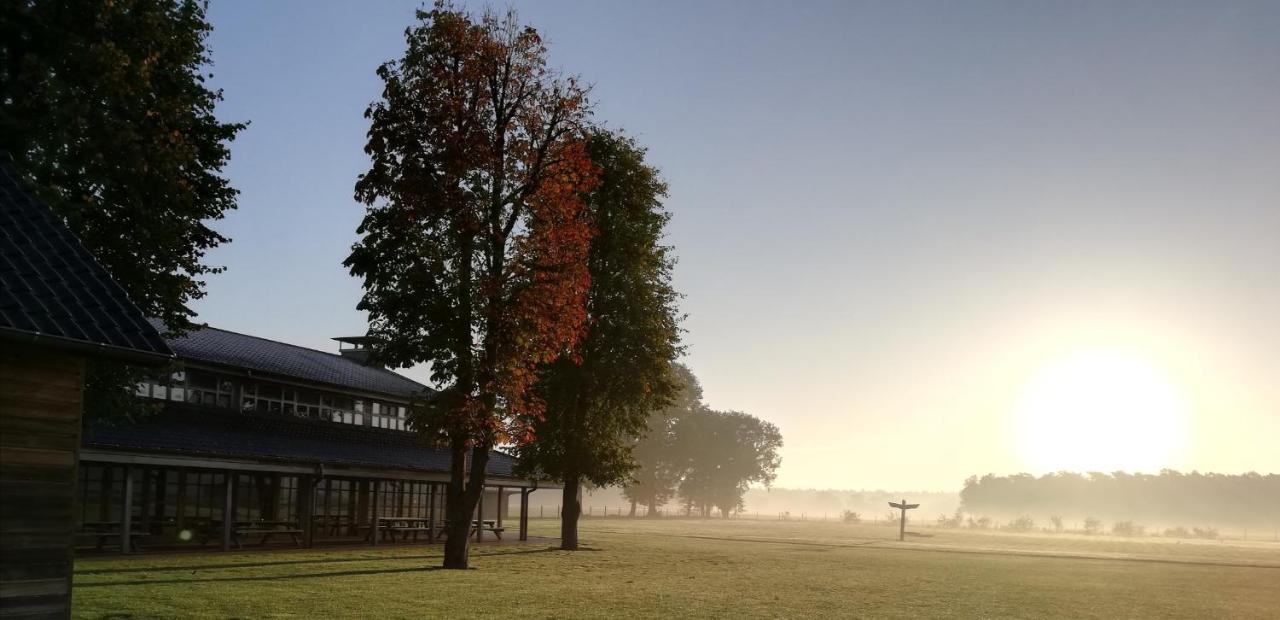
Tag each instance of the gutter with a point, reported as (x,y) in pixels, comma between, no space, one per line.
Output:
(92,349)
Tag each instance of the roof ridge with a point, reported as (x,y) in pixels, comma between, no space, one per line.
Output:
(298,346)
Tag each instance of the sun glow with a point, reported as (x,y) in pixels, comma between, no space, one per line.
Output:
(1100,410)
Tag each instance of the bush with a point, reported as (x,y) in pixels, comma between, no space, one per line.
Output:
(850,516)
(1177,532)
(1021,524)
(981,523)
(1127,528)
(1092,525)
(1209,533)
(952,521)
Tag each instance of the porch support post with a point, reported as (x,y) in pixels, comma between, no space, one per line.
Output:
(126,511)
(431,512)
(307,509)
(228,509)
(501,504)
(524,513)
(377,499)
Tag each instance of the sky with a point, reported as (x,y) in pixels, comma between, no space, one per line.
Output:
(927,240)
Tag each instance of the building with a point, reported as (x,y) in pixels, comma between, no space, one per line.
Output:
(261,442)
(59,309)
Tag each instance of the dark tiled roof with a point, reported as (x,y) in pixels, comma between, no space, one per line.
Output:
(52,288)
(217,346)
(200,431)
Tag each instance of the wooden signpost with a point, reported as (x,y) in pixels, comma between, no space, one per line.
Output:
(902,526)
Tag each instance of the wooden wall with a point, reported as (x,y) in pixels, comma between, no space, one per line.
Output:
(40,410)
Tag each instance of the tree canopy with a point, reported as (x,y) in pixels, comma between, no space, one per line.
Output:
(105,109)
(600,395)
(104,106)
(474,244)
(708,458)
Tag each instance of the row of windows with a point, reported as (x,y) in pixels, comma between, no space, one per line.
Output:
(203,388)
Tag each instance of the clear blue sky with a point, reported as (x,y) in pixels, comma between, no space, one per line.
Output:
(890,217)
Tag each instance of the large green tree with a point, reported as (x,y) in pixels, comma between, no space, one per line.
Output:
(659,463)
(105,109)
(600,396)
(727,452)
(474,243)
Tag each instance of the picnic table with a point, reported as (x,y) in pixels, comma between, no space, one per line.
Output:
(404,526)
(487,524)
(102,531)
(260,527)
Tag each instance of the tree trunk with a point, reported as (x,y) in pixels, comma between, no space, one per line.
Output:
(633,509)
(653,507)
(465,486)
(569,513)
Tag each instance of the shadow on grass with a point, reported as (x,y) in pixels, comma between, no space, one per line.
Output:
(231,565)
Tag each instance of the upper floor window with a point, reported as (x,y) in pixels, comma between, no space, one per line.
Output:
(211,389)
(389,416)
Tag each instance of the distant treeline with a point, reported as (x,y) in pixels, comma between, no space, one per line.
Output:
(1167,498)
(770,502)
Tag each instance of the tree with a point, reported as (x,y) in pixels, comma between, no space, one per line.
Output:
(104,107)
(600,395)
(474,243)
(728,451)
(659,465)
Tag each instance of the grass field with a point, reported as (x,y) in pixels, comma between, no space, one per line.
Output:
(696,568)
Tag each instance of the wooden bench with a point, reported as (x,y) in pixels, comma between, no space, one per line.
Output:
(266,533)
(405,531)
(100,539)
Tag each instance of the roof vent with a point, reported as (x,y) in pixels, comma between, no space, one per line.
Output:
(357,348)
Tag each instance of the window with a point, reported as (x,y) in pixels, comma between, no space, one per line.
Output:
(286,400)
(386,415)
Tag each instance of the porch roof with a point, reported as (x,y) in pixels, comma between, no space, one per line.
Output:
(191,430)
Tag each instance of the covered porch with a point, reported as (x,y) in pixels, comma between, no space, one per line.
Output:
(215,480)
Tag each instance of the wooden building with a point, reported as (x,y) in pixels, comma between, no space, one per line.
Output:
(266,443)
(58,310)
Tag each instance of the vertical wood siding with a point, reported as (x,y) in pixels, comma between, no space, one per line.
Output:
(40,411)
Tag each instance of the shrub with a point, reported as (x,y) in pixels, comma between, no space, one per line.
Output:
(1127,528)
(1021,524)
(952,521)
(1092,525)
(1177,532)
(1209,533)
(981,523)
(850,516)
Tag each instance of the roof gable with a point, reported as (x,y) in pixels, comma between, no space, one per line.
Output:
(52,290)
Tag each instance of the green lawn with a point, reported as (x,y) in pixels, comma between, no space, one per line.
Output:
(693,568)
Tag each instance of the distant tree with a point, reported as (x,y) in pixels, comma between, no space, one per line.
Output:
(727,452)
(1056,520)
(1167,497)
(600,396)
(850,516)
(660,464)
(475,240)
(104,107)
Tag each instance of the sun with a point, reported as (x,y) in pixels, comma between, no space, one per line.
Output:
(1100,410)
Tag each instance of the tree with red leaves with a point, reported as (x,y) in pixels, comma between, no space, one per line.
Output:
(474,245)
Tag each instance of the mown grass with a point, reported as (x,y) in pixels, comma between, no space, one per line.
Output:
(692,568)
